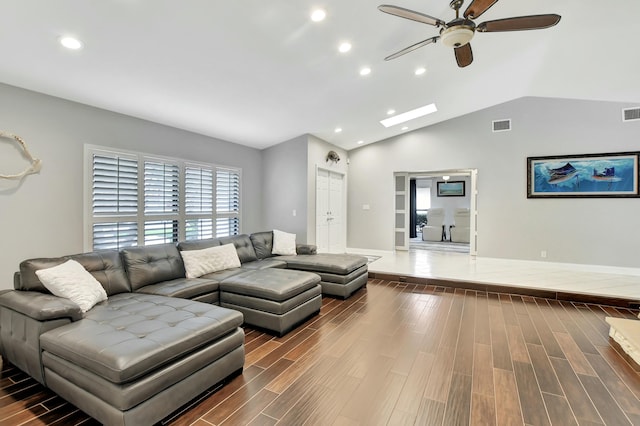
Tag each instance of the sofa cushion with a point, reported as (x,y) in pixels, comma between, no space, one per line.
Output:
(133,334)
(198,244)
(185,288)
(272,262)
(222,275)
(284,243)
(212,259)
(262,243)
(152,264)
(105,265)
(243,245)
(71,281)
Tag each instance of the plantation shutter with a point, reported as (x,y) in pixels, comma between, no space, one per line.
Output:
(161,198)
(115,185)
(161,187)
(198,202)
(114,191)
(114,235)
(227,202)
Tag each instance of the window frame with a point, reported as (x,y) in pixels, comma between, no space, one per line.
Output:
(141,217)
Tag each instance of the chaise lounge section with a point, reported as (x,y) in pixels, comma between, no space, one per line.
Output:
(131,359)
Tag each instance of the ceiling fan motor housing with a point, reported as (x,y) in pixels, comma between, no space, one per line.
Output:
(457,33)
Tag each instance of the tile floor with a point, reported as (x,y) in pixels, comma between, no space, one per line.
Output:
(586,279)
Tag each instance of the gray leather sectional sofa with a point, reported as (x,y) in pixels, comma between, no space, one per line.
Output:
(160,339)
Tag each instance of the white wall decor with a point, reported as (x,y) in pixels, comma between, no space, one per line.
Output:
(35,164)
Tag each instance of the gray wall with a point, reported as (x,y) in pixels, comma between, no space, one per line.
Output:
(289,183)
(284,187)
(43,215)
(577,230)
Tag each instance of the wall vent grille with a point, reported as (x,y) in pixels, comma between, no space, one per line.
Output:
(631,114)
(501,125)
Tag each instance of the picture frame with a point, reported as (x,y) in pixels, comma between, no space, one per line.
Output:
(453,188)
(584,176)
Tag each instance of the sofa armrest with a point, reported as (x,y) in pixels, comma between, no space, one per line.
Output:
(306,249)
(40,306)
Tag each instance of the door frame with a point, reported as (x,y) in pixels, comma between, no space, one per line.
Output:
(343,227)
(473,203)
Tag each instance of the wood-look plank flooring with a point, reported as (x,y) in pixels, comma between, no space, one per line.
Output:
(403,354)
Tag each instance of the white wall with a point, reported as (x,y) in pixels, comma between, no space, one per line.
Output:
(577,230)
(43,215)
(285,187)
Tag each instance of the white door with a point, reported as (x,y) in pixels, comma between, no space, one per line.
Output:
(330,229)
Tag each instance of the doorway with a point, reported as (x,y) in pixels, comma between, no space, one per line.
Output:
(447,208)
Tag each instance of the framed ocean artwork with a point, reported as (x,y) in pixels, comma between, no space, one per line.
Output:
(588,175)
(453,188)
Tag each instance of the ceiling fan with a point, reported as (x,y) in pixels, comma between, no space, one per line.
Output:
(459,32)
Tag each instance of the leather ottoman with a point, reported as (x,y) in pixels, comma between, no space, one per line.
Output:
(341,274)
(273,299)
(138,357)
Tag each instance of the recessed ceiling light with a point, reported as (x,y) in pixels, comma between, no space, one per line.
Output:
(318,15)
(344,47)
(420,71)
(409,115)
(71,43)
(338,129)
(365,71)
(360,142)
(405,128)
(391,112)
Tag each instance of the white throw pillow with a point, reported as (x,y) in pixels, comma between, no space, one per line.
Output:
(212,259)
(283,243)
(71,281)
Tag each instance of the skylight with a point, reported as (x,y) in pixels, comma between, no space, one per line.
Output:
(409,115)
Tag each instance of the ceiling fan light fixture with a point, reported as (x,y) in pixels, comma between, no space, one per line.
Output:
(456,36)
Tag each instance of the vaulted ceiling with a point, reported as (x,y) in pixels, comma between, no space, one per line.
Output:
(260,72)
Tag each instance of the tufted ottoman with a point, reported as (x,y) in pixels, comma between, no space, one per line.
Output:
(136,358)
(341,274)
(273,299)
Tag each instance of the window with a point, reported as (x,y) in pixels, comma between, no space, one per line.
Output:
(137,199)
(423,203)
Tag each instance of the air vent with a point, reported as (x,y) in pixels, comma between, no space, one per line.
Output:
(631,114)
(501,125)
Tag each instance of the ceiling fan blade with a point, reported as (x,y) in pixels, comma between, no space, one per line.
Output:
(464,55)
(411,14)
(477,8)
(520,23)
(412,48)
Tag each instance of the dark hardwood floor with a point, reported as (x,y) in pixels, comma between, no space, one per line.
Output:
(402,354)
